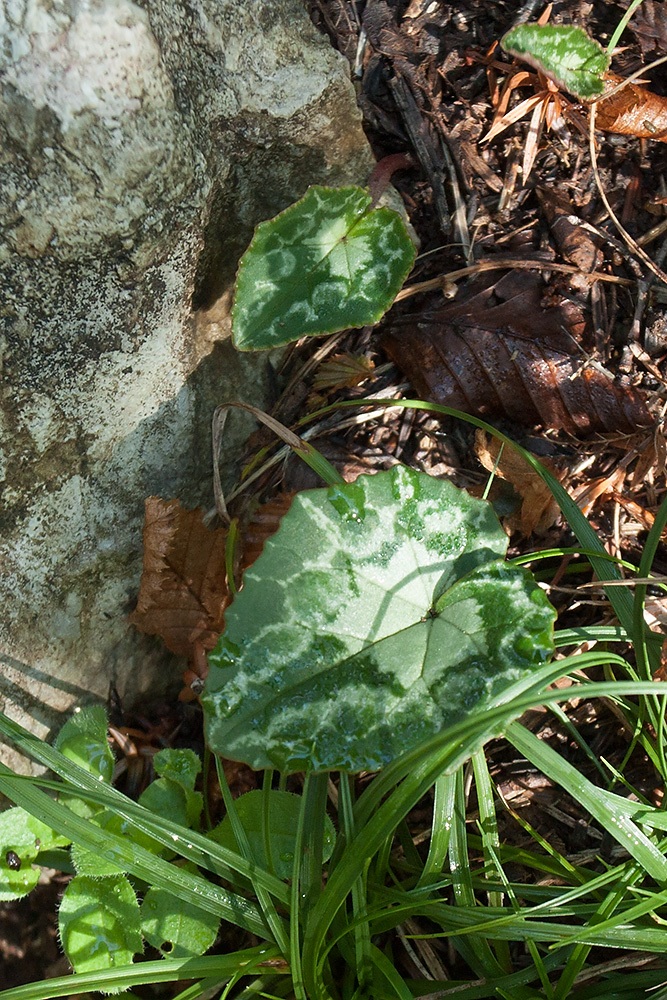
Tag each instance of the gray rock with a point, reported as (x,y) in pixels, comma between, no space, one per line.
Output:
(139,146)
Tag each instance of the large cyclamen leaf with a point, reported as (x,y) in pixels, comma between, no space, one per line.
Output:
(567,55)
(380,612)
(326,263)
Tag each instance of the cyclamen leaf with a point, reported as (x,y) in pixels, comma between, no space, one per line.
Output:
(99,923)
(375,616)
(326,263)
(567,55)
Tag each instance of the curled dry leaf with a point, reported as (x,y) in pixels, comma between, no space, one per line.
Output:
(514,359)
(183,591)
(634,110)
(539,510)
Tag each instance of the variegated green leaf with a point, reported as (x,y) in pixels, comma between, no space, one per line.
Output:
(567,55)
(379,613)
(326,263)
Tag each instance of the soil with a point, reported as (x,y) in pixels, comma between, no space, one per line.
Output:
(422,72)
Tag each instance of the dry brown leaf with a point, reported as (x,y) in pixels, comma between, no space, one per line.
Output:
(183,590)
(515,359)
(632,111)
(650,26)
(342,371)
(635,510)
(538,510)
(264,522)
(574,242)
(661,673)
(591,490)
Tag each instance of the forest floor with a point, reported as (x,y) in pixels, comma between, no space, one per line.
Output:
(568,365)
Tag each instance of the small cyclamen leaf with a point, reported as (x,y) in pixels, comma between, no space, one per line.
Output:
(326,263)
(567,55)
(378,614)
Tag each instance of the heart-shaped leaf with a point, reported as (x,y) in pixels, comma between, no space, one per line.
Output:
(379,613)
(567,55)
(326,263)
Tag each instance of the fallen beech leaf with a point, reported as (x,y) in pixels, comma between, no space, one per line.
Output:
(632,111)
(516,360)
(183,590)
(538,510)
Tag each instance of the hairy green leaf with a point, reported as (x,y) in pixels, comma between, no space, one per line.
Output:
(376,615)
(99,923)
(177,928)
(326,263)
(22,837)
(92,863)
(568,56)
(83,739)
